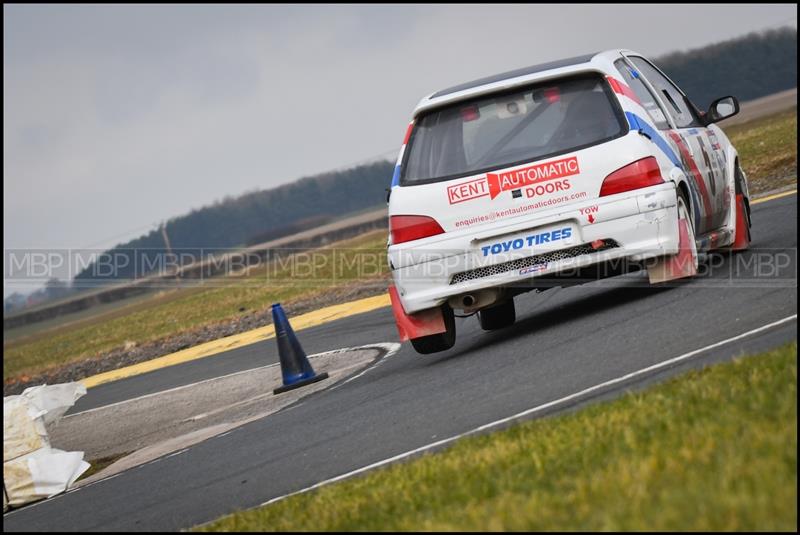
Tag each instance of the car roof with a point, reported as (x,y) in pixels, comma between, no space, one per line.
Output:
(515,73)
(601,61)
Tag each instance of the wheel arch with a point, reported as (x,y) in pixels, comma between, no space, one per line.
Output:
(678,177)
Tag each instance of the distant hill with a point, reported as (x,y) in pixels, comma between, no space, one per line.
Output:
(748,67)
(251,217)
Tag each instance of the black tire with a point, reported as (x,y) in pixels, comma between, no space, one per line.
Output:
(682,198)
(739,188)
(438,342)
(498,316)
(686,205)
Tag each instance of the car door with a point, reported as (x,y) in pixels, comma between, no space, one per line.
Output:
(700,153)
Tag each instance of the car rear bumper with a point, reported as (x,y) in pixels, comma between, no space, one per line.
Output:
(634,226)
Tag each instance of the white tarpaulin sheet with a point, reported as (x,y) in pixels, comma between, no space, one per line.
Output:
(32,470)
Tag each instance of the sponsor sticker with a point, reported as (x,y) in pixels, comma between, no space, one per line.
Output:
(533,174)
(530,177)
(539,238)
(533,269)
(547,188)
(467,191)
(712,137)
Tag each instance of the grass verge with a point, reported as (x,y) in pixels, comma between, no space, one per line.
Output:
(709,450)
(767,150)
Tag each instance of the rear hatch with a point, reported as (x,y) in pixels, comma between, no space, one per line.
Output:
(519,152)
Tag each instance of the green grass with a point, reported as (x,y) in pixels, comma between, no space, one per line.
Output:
(226,298)
(709,450)
(767,150)
(94,314)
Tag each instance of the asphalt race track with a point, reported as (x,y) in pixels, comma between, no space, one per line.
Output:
(564,341)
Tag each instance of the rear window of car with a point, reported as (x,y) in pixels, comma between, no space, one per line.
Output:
(501,130)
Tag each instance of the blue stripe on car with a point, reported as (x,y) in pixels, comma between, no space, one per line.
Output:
(637,123)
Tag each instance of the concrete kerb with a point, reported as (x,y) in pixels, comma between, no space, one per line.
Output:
(163,423)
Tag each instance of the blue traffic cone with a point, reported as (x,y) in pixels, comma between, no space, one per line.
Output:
(296,369)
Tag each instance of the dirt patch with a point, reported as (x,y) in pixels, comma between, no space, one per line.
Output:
(100,464)
(762,186)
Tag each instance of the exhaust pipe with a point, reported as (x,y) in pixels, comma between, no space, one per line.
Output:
(473,301)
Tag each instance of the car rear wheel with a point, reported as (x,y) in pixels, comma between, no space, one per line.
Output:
(498,316)
(684,262)
(438,342)
(683,214)
(741,190)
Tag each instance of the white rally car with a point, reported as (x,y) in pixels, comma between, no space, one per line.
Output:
(555,174)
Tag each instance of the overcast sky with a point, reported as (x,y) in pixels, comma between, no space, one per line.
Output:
(116,117)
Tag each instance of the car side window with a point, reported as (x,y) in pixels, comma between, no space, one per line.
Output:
(677,107)
(649,103)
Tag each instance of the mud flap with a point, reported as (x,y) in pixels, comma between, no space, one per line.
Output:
(741,240)
(417,325)
(679,265)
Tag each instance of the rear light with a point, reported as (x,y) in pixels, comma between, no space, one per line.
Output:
(413,227)
(640,174)
(470,113)
(552,94)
